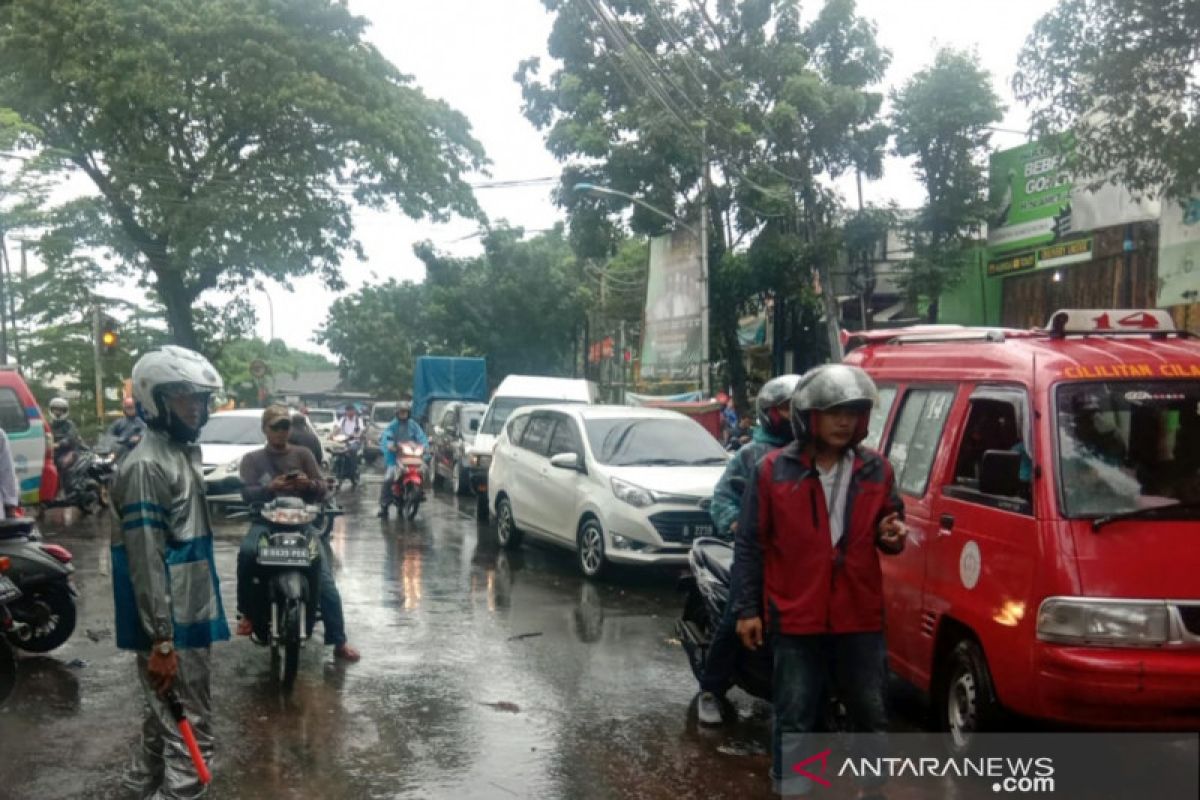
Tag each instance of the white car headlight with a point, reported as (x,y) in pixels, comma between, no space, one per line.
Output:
(1072,620)
(234,466)
(636,496)
(481,460)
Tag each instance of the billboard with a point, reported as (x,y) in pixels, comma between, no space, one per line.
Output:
(671,335)
(1029,187)
(1179,253)
(1036,200)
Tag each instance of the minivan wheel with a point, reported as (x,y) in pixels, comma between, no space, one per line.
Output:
(966,702)
(590,548)
(507,532)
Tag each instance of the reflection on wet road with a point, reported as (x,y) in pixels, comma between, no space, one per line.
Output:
(485,674)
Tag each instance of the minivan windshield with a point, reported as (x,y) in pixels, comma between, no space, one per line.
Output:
(1129,446)
(232,430)
(503,407)
(652,442)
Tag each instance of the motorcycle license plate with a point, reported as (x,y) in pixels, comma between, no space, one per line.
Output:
(8,590)
(696,531)
(277,556)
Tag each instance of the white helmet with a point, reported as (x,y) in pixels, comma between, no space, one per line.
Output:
(167,369)
(59,404)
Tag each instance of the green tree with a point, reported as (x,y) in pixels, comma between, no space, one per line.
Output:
(1121,76)
(376,334)
(237,355)
(228,139)
(942,116)
(649,95)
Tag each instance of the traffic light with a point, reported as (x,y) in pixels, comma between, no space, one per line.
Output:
(110,336)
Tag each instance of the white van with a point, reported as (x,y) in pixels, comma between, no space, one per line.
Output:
(517,391)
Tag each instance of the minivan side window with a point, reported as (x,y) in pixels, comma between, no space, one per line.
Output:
(565,438)
(879,416)
(13,418)
(915,438)
(450,419)
(1004,477)
(516,427)
(537,434)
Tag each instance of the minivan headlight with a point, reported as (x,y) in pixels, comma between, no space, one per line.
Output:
(234,466)
(481,460)
(1072,620)
(636,496)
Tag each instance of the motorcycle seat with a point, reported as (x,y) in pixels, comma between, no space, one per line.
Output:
(716,556)
(15,528)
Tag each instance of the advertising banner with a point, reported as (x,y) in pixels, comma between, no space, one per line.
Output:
(1037,201)
(1179,253)
(671,346)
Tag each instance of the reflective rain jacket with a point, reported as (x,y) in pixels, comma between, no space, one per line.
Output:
(164,579)
(727,496)
(408,431)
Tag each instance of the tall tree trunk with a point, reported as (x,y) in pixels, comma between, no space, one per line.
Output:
(178,300)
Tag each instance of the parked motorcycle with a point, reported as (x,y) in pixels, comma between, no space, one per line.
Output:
(9,593)
(343,463)
(285,603)
(43,617)
(408,486)
(707,587)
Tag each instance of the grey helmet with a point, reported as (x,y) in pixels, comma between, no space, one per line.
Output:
(828,387)
(773,393)
(405,406)
(173,369)
(59,407)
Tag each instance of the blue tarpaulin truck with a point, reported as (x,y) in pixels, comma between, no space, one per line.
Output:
(438,380)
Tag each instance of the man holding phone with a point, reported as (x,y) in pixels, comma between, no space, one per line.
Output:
(284,470)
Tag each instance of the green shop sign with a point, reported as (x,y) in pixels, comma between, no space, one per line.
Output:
(1030,190)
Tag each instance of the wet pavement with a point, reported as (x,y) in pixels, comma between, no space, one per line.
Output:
(485,674)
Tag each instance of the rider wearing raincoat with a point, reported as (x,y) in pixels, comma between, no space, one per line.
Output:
(166,593)
(402,429)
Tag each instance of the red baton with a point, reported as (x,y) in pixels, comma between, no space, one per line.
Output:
(189,738)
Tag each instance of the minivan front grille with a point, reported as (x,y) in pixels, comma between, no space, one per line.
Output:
(681,527)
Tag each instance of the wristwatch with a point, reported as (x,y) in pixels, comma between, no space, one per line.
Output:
(164,648)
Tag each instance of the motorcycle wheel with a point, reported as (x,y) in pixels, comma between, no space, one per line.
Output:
(50,611)
(412,502)
(287,666)
(8,670)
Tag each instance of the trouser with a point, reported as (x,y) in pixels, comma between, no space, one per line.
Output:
(385,491)
(161,767)
(721,658)
(332,618)
(854,665)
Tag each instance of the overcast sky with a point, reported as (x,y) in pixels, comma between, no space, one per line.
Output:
(466,51)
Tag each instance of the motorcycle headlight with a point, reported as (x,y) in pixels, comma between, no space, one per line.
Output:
(636,496)
(1080,621)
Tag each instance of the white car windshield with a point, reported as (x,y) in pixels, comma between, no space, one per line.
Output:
(232,430)
(503,407)
(652,442)
(1126,447)
(320,417)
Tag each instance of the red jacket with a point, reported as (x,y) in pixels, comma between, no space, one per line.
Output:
(785,564)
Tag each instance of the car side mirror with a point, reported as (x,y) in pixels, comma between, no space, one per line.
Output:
(569,461)
(1000,473)
(474,426)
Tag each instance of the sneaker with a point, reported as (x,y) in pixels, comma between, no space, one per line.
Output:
(708,709)
(346,653)
(245,626)
(382,512)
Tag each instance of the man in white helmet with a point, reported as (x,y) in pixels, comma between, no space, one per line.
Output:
(167,598)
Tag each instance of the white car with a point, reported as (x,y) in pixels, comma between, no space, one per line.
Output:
(322,421)
(615,484)
(227,437)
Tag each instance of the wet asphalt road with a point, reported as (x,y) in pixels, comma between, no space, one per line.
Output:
(484,674)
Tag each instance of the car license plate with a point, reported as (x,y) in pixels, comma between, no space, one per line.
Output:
(696,531)
(8,590)
(274,555)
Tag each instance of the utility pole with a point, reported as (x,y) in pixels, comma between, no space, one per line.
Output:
(624,366)
(4,289)
(97,361)
(704,283)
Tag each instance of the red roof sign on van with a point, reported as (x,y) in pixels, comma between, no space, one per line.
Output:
(1101,321)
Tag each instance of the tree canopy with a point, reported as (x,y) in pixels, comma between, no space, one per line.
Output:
(228,139)
(1121,76)
(942,118)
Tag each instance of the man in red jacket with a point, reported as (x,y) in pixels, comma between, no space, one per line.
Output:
(813,522)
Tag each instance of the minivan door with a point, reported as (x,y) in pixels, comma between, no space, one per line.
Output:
(914,450)
(983,560)
(560,487)
(526,471)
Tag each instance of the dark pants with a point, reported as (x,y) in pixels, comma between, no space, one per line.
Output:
(721,658)
(854,666)
(332,619)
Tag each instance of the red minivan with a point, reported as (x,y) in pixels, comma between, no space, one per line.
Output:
(1052,485)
